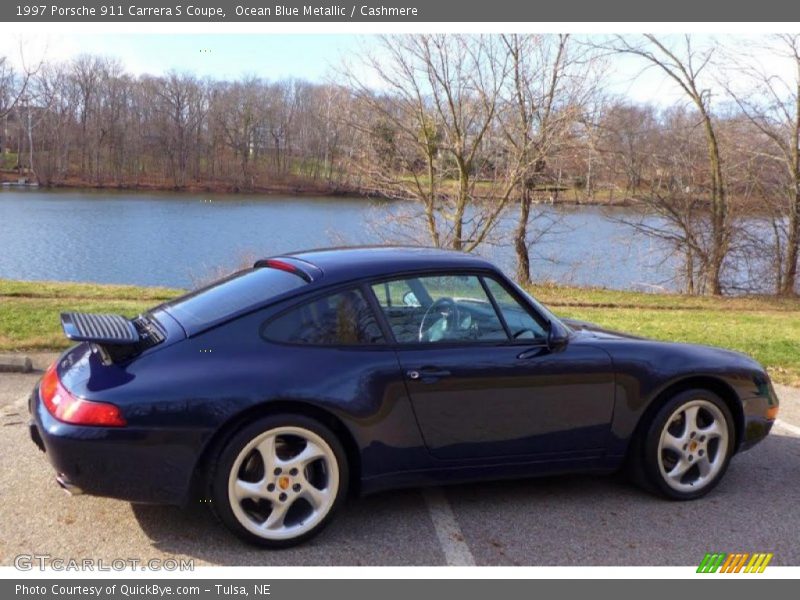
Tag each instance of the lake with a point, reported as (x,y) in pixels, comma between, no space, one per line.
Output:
(183,239)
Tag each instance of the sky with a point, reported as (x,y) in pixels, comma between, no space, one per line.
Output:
(220,56)
(313,57)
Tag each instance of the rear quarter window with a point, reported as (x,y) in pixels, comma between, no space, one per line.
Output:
(342,319)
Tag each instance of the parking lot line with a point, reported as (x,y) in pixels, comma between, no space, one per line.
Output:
(792,429)
(451,538)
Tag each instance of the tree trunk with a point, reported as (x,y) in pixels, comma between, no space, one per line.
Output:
(793,241)
(461,205)
(690,288)
(719,206)
(521,239)
(792,244)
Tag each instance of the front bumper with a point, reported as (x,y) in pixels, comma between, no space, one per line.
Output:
(760,407)
(134,464)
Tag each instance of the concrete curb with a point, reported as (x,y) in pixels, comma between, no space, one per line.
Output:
(15,363)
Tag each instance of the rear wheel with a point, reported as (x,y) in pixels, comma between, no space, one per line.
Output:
(688,445)
(279,481)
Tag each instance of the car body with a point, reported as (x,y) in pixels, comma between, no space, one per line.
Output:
(460,398)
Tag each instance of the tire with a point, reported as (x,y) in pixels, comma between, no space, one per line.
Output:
(680,462)
(279,481)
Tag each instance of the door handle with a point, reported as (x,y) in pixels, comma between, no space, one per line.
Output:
(532,353)
(427,374)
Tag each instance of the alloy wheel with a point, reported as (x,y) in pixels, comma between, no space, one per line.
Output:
(693,446)
(283,483)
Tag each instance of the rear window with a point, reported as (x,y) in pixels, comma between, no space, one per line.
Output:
(236,293)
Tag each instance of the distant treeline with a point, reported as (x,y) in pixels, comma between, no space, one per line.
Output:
(89,122)
(465,126)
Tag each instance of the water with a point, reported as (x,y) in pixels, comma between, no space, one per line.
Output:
(180,240)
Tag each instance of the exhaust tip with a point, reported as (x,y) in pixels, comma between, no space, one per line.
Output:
(70,488)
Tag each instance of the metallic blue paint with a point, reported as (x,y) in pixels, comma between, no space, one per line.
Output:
(505,410)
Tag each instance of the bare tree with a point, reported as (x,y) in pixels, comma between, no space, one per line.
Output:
(86,74)
(627,136)
(427,128)
(52,123)
(685,66)
(181,106)
(238,112)
(675,215)
(14,91)
(548,87)
(14,83)
(771,103)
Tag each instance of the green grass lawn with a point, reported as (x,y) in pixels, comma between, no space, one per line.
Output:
(766,328)
(29,311)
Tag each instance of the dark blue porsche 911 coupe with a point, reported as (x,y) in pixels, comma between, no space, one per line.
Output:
(275,392)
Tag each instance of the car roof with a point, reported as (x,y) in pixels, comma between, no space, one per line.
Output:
(346,263)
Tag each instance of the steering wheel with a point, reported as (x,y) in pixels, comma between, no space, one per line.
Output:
(446,308)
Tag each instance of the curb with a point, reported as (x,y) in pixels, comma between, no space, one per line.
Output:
(15,363)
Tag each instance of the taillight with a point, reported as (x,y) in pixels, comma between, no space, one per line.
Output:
(71,409)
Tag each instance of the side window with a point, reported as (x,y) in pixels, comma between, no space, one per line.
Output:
(520,322)
(440,308)
(395,293)
(336,320)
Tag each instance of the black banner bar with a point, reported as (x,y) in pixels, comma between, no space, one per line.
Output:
(731,588)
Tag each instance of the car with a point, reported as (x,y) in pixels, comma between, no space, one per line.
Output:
(272,394)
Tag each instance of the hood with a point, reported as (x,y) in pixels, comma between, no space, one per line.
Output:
(597,331)
(701,354)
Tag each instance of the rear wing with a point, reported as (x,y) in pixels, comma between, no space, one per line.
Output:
(101,329)
(117,337)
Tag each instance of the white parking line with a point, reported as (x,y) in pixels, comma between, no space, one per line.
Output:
(792,429)
(451,539)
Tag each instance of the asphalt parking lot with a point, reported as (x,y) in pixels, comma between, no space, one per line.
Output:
(575,520)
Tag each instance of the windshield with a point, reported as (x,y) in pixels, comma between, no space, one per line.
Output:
(235,294)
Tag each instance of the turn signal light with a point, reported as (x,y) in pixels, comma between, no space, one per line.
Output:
(772,412)
(73,410)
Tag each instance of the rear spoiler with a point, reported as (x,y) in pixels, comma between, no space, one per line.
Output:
(117,337)
(101,329)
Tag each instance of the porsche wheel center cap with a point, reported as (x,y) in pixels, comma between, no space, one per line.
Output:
(284,482)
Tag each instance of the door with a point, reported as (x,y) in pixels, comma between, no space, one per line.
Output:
(481,379)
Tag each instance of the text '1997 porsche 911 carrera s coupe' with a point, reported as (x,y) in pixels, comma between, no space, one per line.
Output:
(275,392)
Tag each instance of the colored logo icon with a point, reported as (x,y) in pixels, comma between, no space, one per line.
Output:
(740,562)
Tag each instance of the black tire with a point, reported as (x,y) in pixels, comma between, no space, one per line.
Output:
(220,473)
(645,460)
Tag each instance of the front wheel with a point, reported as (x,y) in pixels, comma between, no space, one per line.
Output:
(689,444)
(279,480)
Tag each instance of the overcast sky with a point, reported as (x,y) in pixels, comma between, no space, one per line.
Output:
(313,57)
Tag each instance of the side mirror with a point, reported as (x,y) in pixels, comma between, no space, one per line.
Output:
(410,299)
(557,336)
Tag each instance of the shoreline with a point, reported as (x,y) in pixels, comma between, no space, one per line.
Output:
(291,189)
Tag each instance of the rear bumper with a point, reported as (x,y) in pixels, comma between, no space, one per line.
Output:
(36,437)
(137,465)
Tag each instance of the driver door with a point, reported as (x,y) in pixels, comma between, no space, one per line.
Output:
(481,379)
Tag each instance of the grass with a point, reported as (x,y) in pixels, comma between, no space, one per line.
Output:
(29,311)
(8,160)
(766,328)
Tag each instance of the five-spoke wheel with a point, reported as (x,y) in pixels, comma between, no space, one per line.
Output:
(284,476)
(693,445)
(688,444)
